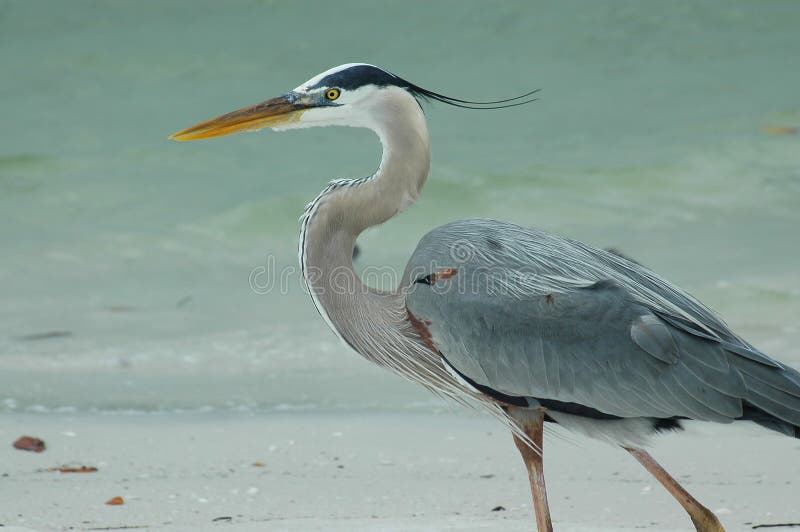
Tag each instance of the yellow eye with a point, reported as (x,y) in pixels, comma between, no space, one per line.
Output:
(332,94)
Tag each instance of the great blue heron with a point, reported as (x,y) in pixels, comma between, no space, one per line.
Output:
(532,326)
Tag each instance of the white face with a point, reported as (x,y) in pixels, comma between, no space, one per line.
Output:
(336,105)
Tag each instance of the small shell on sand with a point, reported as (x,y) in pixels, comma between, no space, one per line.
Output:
(29,443)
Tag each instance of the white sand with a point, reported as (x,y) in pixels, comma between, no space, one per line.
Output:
(393,472)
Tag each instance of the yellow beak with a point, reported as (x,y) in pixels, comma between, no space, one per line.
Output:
(271,113)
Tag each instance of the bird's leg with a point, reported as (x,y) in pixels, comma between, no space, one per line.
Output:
(704,519)
(532,424)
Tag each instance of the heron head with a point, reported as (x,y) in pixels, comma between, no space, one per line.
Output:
(347,95)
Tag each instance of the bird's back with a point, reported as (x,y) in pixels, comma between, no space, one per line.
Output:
(525,313)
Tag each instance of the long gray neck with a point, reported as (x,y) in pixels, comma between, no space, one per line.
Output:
(375,323)
(366,318)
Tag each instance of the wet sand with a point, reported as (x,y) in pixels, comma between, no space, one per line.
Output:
(372,472)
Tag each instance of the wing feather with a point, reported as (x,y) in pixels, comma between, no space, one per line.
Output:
(535,315)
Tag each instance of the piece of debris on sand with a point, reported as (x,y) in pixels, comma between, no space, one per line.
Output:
(72,469)
(115,501)
(29,443)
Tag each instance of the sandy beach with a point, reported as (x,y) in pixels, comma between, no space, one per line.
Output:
(393,472)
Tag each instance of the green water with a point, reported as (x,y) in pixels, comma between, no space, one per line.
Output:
(138,251)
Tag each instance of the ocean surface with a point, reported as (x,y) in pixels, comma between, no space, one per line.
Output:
(133,269)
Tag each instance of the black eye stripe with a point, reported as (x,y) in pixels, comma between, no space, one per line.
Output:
(358,76)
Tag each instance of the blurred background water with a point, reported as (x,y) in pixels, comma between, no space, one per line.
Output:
(126,259)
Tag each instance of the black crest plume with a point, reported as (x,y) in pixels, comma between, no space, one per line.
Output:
(522,99)
(363,74)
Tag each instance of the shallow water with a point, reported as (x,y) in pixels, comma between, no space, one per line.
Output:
(138,252)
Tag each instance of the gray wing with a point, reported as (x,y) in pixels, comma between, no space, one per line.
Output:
(530,314)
